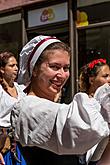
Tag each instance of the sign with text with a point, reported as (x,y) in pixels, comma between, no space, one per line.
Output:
(47,15)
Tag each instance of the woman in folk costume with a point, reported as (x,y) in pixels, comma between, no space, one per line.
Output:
(10,92)
(93,75)
(48,128)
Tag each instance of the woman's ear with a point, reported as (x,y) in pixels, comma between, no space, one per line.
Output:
(34,73)
(91,80)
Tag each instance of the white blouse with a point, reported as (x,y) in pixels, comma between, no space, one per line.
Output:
(6,103)
(61,128)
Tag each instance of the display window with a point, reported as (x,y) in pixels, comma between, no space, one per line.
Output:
(11,34)
(93,42)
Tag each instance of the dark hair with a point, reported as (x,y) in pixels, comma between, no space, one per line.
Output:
(50,48)
(4,57)
(89,70)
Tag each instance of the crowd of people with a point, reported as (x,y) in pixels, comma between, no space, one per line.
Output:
(43,129)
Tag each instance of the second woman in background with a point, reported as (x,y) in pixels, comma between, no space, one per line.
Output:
(10,92)
(92,76)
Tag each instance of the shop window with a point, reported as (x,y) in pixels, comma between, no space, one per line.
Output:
(93,43)
(10,37)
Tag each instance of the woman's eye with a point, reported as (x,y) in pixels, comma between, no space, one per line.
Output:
(66,69)
(57,67)
(54,67)
(105,76)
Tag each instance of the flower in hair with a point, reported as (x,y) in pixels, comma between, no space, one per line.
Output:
(94,62)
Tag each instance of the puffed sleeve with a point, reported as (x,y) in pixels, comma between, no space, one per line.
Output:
(102,95)
(60,128)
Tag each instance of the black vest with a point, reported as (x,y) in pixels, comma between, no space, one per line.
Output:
(38,156)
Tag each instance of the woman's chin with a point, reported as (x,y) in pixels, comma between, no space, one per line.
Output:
(56,90)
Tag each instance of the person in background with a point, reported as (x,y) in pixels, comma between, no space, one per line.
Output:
(10,92)
(92,76)
(48,128)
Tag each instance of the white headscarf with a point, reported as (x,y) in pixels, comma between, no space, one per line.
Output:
(30,54)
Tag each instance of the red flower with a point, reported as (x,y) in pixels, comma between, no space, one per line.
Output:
(94,62)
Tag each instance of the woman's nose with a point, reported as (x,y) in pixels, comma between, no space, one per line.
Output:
(108,79)
(62,73)
(16,68)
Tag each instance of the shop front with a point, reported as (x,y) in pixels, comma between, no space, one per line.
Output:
(48,21)
(94,37)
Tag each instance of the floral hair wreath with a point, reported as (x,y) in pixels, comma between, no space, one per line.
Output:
(94,62)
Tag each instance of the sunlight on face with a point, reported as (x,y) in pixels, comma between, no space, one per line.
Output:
(53,73)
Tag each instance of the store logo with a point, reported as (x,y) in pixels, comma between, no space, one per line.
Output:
(47,15)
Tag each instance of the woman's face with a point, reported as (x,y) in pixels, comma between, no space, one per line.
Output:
(51,76)
(102,77)
(10,70)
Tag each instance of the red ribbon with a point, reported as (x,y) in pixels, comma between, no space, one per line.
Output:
(94,62)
